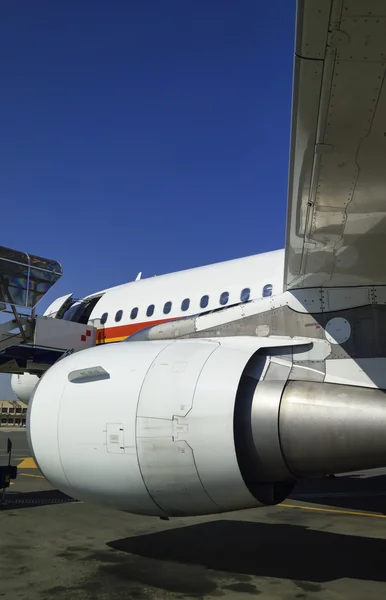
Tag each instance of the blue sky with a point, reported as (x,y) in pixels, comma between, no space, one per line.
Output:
(145,135)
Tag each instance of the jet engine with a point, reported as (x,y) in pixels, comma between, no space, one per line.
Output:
(23,385)
(189,427)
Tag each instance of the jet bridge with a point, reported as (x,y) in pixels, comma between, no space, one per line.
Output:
(29,342)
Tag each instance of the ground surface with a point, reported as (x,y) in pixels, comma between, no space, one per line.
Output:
(325,542)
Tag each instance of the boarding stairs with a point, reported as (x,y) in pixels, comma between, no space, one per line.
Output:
(29,342)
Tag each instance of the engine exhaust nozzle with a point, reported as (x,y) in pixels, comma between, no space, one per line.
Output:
(330,428)
(307,429)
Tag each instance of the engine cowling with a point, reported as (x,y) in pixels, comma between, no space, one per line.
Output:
(23,386)
(191,427)
(146,427)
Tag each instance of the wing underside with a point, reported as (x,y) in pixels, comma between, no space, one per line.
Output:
(336,221)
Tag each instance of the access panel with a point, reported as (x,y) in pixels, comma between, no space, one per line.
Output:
(115,438)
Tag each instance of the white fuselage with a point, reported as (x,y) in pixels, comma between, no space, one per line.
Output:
(125,309)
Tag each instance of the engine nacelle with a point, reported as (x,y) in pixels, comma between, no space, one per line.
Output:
(191,427)
(148,427)
(23,386)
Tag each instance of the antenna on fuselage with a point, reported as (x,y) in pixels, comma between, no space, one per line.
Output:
(138,276)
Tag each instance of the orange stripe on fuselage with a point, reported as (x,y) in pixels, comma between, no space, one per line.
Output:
(121,332)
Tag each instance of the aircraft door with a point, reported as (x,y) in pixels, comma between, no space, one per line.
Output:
(59,306)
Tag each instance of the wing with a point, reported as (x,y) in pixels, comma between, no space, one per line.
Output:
(336,220)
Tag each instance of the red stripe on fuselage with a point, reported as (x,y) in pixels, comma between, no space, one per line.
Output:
(110,334)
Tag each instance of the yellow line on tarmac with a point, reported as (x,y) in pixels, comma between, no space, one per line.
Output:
(27,463)
(31,475)
(335,510)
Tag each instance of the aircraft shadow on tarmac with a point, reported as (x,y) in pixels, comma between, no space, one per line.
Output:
(16,500)
(284,551)
(351,492)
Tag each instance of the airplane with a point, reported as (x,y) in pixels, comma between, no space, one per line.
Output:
(225,405)
(123,310)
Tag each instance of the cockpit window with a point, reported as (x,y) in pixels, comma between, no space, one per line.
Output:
(245,295)
(104,318)
(267,290)
(204,301)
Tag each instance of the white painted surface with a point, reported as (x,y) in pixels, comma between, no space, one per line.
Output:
(55,333)
(338,330)
(56,305)
(115,438)
(318,351)
(367,372)
(69,427)
(211,428)
(253,272)
(156,436)
(23,385)
(185,427)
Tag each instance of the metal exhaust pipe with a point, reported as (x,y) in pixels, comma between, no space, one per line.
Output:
(289,430)
(330,428)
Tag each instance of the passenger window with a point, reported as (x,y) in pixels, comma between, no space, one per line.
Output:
(245,295)
(185,304)
(104,318)
(267,290)
(167,308)
(204,301)
(150,310)
(224,298)
(118,316)
(134,313)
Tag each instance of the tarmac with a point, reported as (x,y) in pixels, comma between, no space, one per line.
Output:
(327,541)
